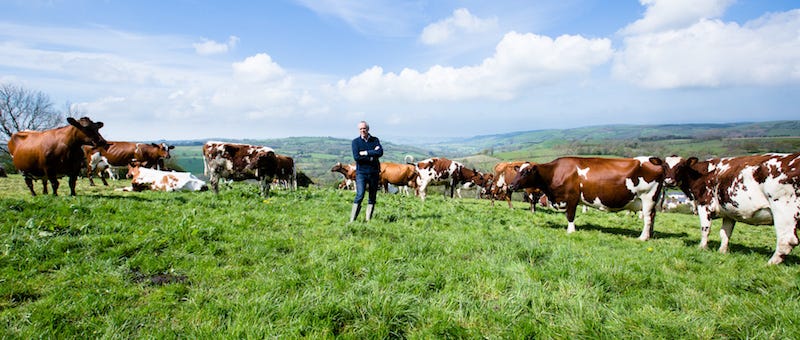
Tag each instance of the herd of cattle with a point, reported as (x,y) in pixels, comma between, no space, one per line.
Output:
(758,189)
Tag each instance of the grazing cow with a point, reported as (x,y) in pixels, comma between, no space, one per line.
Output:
(286,172)
(437,171)
(757,190)
(99,163)
(401,175)
(504,173)
(3,171)
(117,153)
(610,184)
(159,180)
(54,153)
(349,173)
(471,178)
(239,162)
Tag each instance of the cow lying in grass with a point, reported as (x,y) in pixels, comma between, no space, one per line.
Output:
(158,180)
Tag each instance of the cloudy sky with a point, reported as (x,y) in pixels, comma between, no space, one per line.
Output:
(196,69)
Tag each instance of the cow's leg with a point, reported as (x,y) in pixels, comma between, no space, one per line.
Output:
(648,218)
(265,181)
(572,208)
(29,183)
(214,180)
(725,233)
(45,191)
(73,180)
(89,172)
(54,183)
(786,216)
(508,198)
(423,190)
(704,212)
(103,177)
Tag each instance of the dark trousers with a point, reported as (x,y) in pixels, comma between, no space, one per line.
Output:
(364,180)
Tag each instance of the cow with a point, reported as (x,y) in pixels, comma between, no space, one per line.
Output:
(159,180)
(51,154)
(99,163)
(504,173)
(349,173)
(437,171)
(401,175)
(471,178)
(239,162)
(3,171)
(119,153)
(286,172)
(757,190)
(609,184)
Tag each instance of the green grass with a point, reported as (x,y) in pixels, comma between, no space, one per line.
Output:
(194,265)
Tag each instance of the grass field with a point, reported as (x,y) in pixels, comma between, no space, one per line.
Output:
(109,264)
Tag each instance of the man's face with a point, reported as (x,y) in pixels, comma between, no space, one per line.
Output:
(363,130)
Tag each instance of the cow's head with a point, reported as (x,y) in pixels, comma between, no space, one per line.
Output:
(526,176)
(163,149)
(133,170)
(679,170)
(90,131)
(337,167)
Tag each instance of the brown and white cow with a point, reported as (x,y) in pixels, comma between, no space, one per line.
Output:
(286,172)
(609,184)
(54,153)
(471,178)
(504,173)
(757,190)
(239,162)
(400,175)
(349,173)
(159,180)
(117,153)
(437,171)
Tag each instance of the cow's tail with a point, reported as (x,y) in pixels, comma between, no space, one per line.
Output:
(205,167)
(409,159)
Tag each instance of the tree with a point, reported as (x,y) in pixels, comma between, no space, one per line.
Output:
(24,109)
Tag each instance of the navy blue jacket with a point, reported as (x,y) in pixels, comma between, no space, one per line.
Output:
(370,162)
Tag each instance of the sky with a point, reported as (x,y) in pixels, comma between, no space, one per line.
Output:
(415,70)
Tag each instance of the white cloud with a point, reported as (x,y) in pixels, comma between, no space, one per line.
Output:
(664,15)
(520,60)
(258,68)
(208,47)
(461,23)
(713,53)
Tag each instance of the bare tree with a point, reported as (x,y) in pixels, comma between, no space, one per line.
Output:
(24,109)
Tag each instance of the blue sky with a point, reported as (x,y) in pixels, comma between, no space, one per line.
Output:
(192,69)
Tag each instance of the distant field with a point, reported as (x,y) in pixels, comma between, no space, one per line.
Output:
(108,264)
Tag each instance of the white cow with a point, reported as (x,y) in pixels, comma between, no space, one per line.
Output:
(159,180)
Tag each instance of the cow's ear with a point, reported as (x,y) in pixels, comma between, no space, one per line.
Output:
(99,124)
(656,161)
(171,147)
(691,161)
(74,122)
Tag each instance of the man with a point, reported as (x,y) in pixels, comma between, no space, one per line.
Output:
(366,151)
